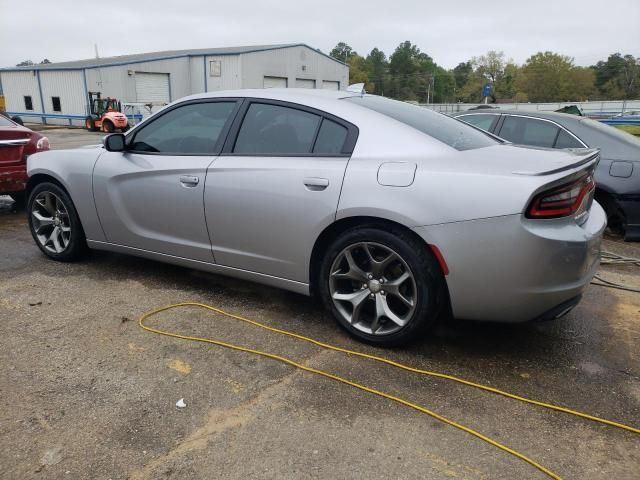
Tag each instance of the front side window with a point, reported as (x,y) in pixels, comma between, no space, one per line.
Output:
(192,129)
(443,128)
(529,131)
(483,121)
(276,130)
(55,101)
(28,102)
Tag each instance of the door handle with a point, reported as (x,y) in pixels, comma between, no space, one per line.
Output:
(316,183)
(189,180)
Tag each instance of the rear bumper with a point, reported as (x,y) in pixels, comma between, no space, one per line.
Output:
(13,180)
(511,269)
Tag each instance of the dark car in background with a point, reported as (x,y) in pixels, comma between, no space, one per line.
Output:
(16,144)
(618,173)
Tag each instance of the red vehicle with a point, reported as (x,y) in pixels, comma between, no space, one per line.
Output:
(16,144)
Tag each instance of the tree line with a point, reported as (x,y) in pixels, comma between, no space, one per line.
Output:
(412,75)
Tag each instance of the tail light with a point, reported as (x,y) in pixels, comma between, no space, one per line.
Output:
(42,144)
(561,201)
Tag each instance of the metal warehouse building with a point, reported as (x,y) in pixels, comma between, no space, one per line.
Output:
(58,92)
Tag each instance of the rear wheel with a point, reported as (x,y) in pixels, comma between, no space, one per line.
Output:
(90,124)
(383,287)
(54,223)
(107,126)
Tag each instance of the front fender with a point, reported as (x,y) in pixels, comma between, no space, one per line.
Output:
(73,170)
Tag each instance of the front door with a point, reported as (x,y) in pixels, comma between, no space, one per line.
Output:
(150,197)
(276,187)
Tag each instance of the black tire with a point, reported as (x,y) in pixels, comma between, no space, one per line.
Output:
(125,129)
(76,247)
(18,120)
(616,219)
(430,287)
(19,198)
(90,123)
(107,126)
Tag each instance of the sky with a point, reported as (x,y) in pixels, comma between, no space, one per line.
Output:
(449,31)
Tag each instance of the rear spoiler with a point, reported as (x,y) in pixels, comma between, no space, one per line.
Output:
(584,156)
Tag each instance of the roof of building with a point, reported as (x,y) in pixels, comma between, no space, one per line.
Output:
(163,55)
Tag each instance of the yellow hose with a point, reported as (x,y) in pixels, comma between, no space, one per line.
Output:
(402,401)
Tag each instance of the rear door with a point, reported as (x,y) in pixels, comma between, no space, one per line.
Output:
(150,197)
(276,186)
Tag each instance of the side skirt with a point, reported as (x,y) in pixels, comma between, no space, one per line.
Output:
(291,285)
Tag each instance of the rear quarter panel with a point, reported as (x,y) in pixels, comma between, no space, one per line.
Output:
(73,169)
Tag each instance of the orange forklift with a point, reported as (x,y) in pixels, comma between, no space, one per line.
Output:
(106,114)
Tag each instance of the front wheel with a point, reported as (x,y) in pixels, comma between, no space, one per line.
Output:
(107,126)
(54,223)
(383,286)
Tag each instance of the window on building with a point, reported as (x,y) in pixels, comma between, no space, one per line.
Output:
(28,102)
(272,130)
(55,101)
(190,129)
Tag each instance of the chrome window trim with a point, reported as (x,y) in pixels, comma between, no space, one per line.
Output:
(584,145)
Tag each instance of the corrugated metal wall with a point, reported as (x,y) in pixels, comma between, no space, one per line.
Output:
(119,81)
(230,73)
(69,87)
(292,63)
(18,84)
(187,75)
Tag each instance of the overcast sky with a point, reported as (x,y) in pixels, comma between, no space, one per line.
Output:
(449,31)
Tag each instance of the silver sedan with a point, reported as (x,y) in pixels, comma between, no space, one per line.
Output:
(394,215)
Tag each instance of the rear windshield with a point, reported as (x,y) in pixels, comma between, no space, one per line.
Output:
(448,130)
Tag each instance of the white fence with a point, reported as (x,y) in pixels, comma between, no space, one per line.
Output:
(610,107)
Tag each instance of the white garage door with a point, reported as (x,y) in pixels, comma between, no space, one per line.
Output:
(305,83)
(275,82)
(152,88)
(330,85)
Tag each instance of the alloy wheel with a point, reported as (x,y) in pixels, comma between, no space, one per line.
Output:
(372,288)
(50,222)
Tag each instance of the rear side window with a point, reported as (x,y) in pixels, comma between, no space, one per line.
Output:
(331,138)
(529,131)
(192,129)
(274,129)
(484,121)
(565,140)
(450,131)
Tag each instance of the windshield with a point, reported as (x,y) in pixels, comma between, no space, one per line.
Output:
(454,133)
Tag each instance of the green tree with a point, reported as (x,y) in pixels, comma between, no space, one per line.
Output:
(377,67)
(342,51)
(461,72)
(358,71)
(618,76)
(550,77)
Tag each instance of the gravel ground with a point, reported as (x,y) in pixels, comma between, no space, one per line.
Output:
(86,394)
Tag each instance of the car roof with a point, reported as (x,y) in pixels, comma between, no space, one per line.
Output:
(295,95)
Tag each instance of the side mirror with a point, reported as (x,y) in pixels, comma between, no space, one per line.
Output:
(114,142)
